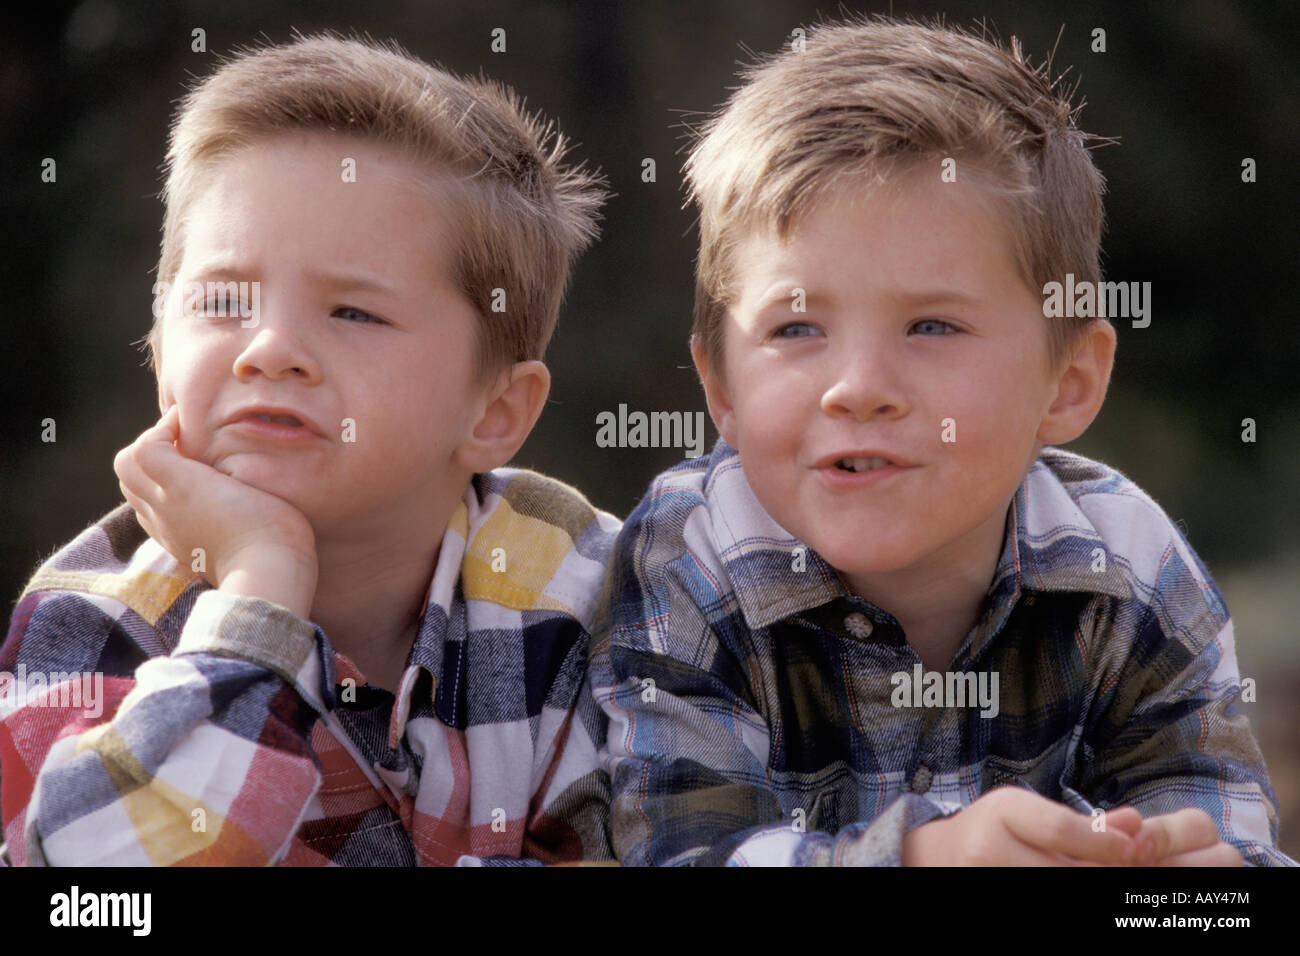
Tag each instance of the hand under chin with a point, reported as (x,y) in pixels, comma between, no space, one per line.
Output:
(225,466)
(265,476)
(246,467)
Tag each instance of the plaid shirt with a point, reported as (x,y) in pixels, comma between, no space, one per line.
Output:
(751,704)
(231,733)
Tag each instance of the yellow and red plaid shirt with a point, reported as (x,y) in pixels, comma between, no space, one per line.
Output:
(226,730)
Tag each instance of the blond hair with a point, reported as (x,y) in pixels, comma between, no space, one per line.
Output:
(873,97)
(524,216)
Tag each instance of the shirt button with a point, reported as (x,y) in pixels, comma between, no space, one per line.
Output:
(921,779)
(858,624)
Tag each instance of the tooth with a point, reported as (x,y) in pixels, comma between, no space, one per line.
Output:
(862,464)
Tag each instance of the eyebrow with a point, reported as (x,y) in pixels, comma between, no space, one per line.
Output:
(337,280)
(783,294)
(352,281)
(907,298)
(919,297)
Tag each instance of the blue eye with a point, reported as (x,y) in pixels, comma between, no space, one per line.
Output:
(795,330)
(935,322)
(365,317)
(219,308)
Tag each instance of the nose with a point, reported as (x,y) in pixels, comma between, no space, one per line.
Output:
(277,351)
(865,384)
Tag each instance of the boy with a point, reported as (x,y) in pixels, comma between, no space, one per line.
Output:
(350,636)
(880,597)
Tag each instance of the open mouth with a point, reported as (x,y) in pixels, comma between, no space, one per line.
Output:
(862,464)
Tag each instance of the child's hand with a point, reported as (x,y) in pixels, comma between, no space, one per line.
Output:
(1187,837)
(1011,826)
(254,543)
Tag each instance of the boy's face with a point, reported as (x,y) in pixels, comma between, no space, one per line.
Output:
(361,337)
(917,327)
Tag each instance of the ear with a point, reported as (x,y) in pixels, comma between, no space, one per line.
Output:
(715,393)
(1080,385)
(512,405)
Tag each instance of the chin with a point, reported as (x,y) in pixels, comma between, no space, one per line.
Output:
(257,471)
(855,558)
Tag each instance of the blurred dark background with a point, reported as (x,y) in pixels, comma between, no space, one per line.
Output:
(1190,89)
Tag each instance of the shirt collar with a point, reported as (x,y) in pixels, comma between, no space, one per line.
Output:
(1048,545)
(773,574)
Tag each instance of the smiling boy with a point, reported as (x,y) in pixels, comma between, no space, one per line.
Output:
(877,360)
(351,636)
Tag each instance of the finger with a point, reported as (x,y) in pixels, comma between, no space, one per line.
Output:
(144,514)
(1058,829)
(161,463)
(1062,860)
(160,458)
(1018,853)
(132,478)
(1009,850)
(1125,819)
(1223,854)
(161,434)
(165,429)
(1174,833)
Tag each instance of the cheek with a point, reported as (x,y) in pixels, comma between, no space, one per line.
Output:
(988,411)
(196,432)
(181,357)
(412,417)
(994,438)
(771,410)
(183,381)
(775,414)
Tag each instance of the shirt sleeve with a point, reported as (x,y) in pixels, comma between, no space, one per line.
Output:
(197,757)
(1171,732)
(687,751)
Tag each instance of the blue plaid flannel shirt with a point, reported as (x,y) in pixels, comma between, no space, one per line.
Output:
(751,704)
